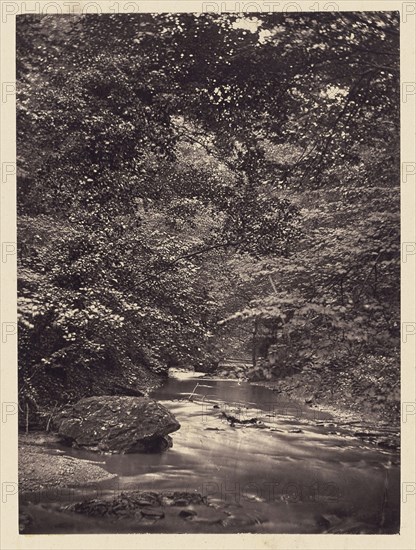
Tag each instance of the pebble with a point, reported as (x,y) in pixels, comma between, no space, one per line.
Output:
(152,513)
(187,514)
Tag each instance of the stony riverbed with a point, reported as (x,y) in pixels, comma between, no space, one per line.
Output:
(254,461)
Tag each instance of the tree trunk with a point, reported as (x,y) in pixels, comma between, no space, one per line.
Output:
(254,345)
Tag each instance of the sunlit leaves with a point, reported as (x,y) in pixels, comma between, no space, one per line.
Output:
(169,165)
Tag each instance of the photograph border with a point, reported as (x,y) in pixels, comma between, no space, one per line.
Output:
(10,537)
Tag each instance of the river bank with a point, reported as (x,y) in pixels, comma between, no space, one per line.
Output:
(43,465)
(342,395)
(363,423)
(368,394)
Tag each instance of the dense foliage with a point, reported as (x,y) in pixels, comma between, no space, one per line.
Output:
(182,178)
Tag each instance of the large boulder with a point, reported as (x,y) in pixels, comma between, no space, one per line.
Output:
(117,424)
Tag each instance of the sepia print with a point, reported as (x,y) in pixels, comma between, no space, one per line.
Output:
(208,212)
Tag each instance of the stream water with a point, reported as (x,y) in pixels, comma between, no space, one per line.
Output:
(293,470)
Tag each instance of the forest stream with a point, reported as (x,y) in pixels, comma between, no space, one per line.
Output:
(265,464)
(219,192)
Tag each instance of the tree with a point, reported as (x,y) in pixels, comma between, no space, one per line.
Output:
(166,168)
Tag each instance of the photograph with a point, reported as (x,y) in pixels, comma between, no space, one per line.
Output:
(208,273)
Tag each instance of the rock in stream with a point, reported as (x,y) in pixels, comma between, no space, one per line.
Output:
(117,424)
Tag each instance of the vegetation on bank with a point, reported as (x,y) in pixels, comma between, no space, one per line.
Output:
(192,186)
